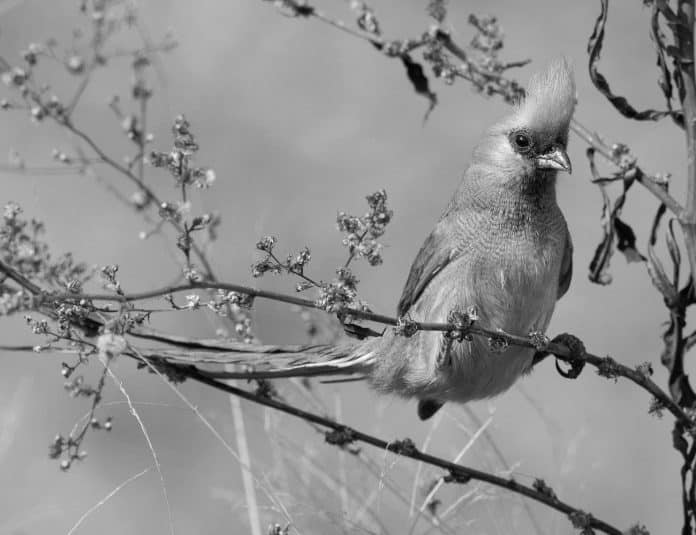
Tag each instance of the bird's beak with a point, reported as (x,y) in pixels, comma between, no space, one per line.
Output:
(556,158)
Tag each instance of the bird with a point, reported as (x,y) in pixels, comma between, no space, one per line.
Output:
(502,246)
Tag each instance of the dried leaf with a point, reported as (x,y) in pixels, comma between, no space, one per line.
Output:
(678,441)
(676,346)
(656,270)
(626,241)
(674,252)
(594,48)
(616,231)
(665,80)
(659,278)
(421,85)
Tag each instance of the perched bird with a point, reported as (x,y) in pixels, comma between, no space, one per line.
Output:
(502,245)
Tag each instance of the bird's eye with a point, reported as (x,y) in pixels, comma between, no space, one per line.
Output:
(522,142)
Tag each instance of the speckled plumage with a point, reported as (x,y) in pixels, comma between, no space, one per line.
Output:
(502,245)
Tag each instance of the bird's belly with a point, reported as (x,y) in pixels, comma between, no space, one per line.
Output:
(515,294)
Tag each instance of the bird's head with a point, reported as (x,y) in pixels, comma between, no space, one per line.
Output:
(531,143)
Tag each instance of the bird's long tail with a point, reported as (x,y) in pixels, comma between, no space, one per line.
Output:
(237,360)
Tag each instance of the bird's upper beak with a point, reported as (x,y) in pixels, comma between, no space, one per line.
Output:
(556,158)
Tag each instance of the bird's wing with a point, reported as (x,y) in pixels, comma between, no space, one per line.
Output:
(438,250)
(566,268)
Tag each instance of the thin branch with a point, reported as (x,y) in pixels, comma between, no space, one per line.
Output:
(143,429)
(133,178)
(267,489)
(444,38)
(656,187)
(459,473)
(606,365)
(106,499)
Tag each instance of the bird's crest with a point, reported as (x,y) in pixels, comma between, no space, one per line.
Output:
(550,100)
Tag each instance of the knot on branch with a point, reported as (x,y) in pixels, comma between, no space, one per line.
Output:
(645,369)
(498,343)
(608,368)
(656,407)
(581,520)
(576,352)
(405,326)
(265,389)
(175,374)
(403,447)
(460,322)
(341,436)
(539,340)
(541,487)
(457,477)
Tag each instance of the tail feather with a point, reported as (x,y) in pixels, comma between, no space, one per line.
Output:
(272,361)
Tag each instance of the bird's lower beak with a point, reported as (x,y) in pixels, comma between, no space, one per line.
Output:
(556,158)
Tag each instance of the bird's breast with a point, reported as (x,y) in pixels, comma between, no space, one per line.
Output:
(513,271)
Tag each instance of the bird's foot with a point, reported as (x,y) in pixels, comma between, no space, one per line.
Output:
(576,351)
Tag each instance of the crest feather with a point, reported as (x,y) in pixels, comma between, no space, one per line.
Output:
(550,100)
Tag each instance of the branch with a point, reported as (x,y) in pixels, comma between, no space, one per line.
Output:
(342,435)
(68,124)
(606,366)
(649,181)
(653,184)
(683,29)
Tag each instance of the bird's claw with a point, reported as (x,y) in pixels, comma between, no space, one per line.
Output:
(576,349)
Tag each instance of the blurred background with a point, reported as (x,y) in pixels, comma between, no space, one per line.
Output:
(300,120)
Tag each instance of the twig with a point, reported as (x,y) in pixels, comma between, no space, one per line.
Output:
(648,181)
(143,429)
(266,489)
(105,499)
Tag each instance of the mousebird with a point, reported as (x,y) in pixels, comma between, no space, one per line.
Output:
(502,246)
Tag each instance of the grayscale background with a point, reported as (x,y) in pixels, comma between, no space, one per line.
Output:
(300,120)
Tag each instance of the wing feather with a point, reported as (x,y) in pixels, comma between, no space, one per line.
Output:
(438,250)
(566,268)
